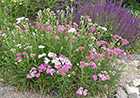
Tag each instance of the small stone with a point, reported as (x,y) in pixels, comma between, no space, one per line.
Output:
(133,95)
(136,82)
(135,63)
(131,90)
(138,71)
(128,81)
(121,94)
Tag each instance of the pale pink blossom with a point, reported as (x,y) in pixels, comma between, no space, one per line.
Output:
(85,92)
(91,52)
(37,24)
(105,86)
(98,43)
(66,37)
(87,57)
(92,28)
(28,76)
(83,63)
(24,53)
(31,55)
(102,42)
(72,41)
(37,75)
(124,56)
(73,73)
(131,58)
(94,77)
(125,41)
(87,16)
(57,37)
(115,36)
(48,24)
(110,57)
(1,31)
(81,48)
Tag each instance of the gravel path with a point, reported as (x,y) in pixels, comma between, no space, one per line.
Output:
(9,91)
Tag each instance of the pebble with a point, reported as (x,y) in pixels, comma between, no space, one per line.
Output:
(136,82)
(121,94)
(133,95)
(131,90)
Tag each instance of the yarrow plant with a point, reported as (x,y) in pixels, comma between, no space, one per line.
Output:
(63,58)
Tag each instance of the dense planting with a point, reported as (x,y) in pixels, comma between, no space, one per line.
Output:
(72,52)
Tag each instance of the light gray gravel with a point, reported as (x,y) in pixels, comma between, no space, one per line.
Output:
(9,92)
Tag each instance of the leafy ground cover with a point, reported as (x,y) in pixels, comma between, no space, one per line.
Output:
(71,59)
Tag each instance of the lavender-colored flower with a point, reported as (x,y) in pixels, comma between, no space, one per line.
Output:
(8,10)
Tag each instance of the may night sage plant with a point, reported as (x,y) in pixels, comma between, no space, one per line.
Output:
(108,14)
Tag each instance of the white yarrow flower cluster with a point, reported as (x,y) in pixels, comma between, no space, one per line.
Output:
(57,60)
(104,28)
(41,55)
(46,60)
(20,18)
(72,30)
(18,45)
(41,46)
(50,54)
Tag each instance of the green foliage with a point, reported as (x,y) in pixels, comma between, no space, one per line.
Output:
(14,71)
(131,3)
(46,34)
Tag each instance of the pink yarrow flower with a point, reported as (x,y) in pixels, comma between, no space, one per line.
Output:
(37,75)
(57,37)
(131,58)
(73,73)
(48,24)
(19,54)
(102,42)
(66,37)
(94,77)
(91,52)
(28,76)
(92,28)
(99,34)
(87,16)
(24,53)
(105,86)
(81,48)
(110,57)
(31,55)
(83,63)
(123,55)
(37,24)
(87,57)
(116,36)
(18,58)
(98,43)
(112,52)
(80,91)
(72,41)
(1,31)
(125,41)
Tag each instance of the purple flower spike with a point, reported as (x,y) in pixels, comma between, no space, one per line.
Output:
(8,11)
